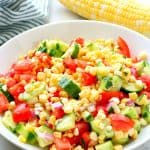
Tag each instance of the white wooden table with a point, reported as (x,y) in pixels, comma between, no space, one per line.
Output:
(58,13)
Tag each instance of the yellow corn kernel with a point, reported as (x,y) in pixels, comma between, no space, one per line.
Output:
(12,105)
(22,139)
(43,98)
(57,134)
(41,76)
(133,96)
(118,147)
(93,136)
(52,120)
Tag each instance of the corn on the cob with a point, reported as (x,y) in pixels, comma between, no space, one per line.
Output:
(129,13)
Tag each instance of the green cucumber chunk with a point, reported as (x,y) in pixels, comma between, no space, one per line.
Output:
(66,123)
(146,113)
(8,121)
(111,83)
(44,135)
(70,87)
(130,112)
(105,146)
(120,137)
(6,93)
(87,116)
(132,87)
(30,136)
(75,51)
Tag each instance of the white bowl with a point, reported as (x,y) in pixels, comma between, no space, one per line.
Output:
(68,31)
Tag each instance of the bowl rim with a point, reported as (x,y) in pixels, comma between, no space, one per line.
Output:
(21,145)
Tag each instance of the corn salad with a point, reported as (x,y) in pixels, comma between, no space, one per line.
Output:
(77,96)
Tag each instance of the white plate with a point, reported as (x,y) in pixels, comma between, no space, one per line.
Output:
(67,31)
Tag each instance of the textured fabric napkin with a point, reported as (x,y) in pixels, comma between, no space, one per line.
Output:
(17,16)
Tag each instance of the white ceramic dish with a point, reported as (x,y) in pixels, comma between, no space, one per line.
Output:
(68,31)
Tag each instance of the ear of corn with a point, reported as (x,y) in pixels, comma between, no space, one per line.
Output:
(129,13)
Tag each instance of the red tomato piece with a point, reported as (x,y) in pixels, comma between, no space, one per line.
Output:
(81,64)
(22,113)
(71,64)
(82,127)
(107,95)
(86,137)
(16,89)
(146,79)
(27,77)
(3,103)
(23,66)
(88,79)
(124,49)
(11,82)
(80,41)
(57,93)
(62,144)
(58,112)
(74,140)
(121,122)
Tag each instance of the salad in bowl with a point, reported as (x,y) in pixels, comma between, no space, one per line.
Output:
(82,95)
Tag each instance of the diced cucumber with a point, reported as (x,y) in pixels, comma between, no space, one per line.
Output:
(146,113)
(95,126)
(6,93)
(70,87)
(29,136)
(139,66)
(137,125)
(132,87)
(111,83)
(75,51)
(105,146)
(130,112)
(44,136)
(8,121)
(120,137)
(87,116)
(142,100)
(56,48)
(146,69)
(66,123)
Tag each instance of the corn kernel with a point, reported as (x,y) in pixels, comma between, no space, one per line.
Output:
(12,105)
(52,120)
(93,136)
(41,76)
(133,96)
(118,147)
(57,134)
(143,56)
(22,139)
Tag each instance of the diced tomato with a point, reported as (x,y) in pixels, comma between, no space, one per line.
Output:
(134,72)
(23,66)
(74,140)
(27,77)
(124,49)
(3,103)
(58,112)
(104,108)
(62,144)
(82,127)
(121,122)
(16,89)
(57,93)
(81,64)
(146,79)
(45,58)
(71,64)
(11,82)
(107,95)
(86,137)
(80,41)
(22,113)
(88,79)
